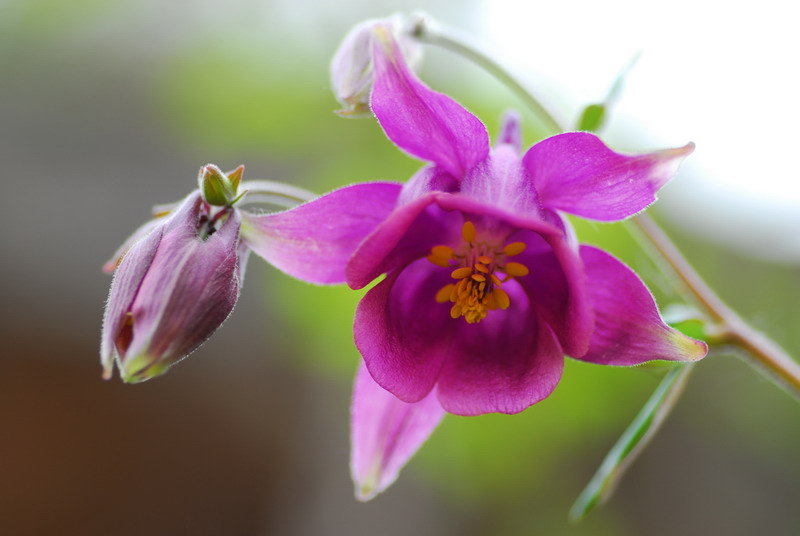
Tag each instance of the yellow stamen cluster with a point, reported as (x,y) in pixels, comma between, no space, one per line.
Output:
(478,289)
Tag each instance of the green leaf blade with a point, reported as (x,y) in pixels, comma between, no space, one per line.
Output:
(631,442)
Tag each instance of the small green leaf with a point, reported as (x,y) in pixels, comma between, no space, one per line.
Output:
(592,117)
(632,442)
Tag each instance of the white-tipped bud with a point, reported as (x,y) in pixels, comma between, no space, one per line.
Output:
(351,67)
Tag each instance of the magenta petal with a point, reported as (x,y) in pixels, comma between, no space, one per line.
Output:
(402,333)
(315,240)
(385,433)
(577,173)
(426,124)
(505,363)
(501,181)
(407,234)
(429,179)
(628,328)
(557,284)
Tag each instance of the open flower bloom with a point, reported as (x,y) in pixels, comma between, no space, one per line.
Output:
(486,287)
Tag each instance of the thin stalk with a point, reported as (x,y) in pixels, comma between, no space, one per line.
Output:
(434,36)
(274,193)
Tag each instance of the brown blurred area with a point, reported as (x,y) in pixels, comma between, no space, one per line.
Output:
(233,441)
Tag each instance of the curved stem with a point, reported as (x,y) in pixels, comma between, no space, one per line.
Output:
(761,350)
(274,193)
(427,34)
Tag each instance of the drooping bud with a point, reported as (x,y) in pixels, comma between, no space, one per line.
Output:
(351,67)
(172,289)
(219,189)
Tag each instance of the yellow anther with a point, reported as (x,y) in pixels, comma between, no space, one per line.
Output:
(515,248)
(442,251)
(515,269)
(468,232)
(439,261)
(461,273)
(444,293)
(501,298)
(478,276)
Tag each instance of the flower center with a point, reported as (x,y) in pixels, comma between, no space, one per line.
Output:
(476,266)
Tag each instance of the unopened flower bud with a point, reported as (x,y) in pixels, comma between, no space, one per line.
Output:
(218,188)
(172,289)
(351,67)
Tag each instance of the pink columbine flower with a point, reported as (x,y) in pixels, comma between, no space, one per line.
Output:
(486,286)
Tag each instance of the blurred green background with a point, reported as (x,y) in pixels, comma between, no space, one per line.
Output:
(109,107)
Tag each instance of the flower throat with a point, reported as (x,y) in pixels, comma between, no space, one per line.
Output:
(476,267)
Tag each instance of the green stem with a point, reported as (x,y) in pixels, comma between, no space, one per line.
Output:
(274,193)
(761,351)
(434,36)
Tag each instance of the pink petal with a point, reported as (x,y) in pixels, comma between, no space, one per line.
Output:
(128,276)
(143,230)
(407,234)
(315,240)
(505,363)
(426,124)
(386,432)
(576,172)
(501,181)
(430,178)
(402,333)
(628,328)
(557,284)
